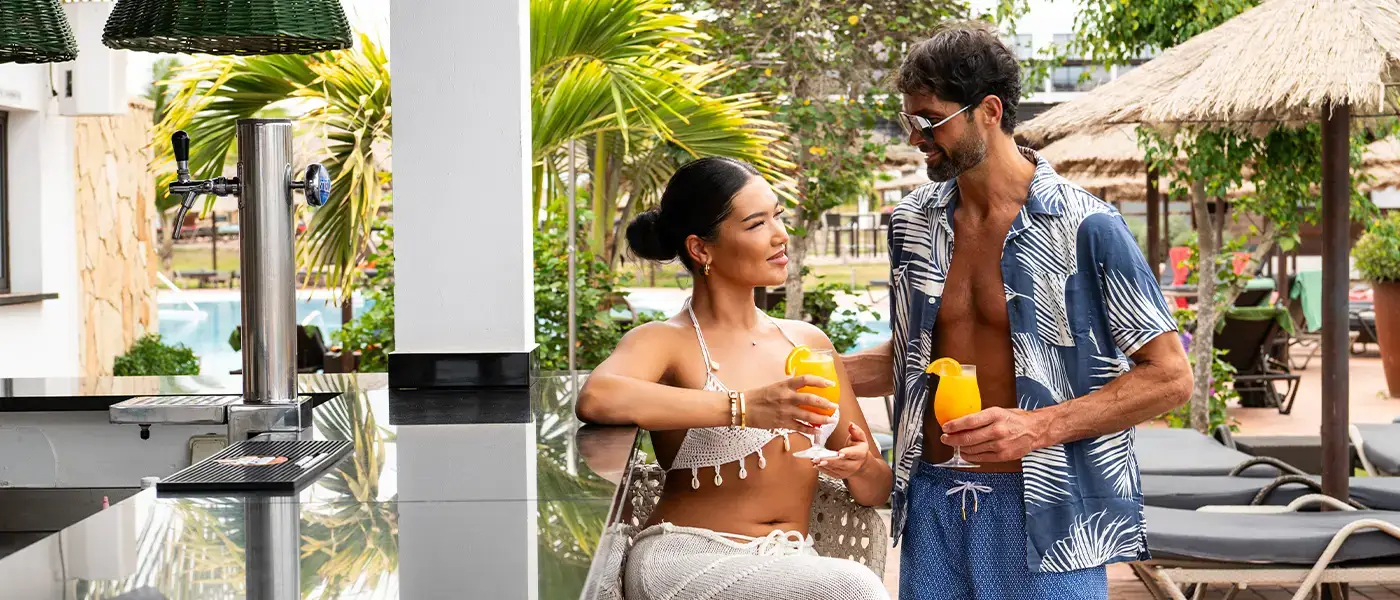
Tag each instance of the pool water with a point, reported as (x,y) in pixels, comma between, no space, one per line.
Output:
(206,327)
(870,340)
(671,301)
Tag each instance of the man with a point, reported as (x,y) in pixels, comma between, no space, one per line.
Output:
(1046,293)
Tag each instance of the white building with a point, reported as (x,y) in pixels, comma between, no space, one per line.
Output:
(1047,26)
(38,332)
(75,193)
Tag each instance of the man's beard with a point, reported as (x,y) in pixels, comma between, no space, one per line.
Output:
(969,151)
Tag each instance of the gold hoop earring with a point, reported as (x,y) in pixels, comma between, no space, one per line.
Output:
(707,269)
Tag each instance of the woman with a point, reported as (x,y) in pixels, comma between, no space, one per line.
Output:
(732,519)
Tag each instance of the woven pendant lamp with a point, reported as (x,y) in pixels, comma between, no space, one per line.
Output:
(35,31)
(242,27)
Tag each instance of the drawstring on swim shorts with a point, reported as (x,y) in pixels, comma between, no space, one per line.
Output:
(965,487)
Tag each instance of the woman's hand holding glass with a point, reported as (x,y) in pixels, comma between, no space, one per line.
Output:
(849,460)
(782,406)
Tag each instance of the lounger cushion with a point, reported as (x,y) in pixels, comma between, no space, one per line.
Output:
(1188,452)
(1290,539)
(1382,444)
(1192,492)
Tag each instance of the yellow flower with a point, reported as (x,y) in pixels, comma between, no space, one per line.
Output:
(768,72)
(817,151)
(853,19)
(806,103)
(758,15)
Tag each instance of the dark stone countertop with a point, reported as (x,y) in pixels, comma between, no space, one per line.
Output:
(496,494)
(41,394)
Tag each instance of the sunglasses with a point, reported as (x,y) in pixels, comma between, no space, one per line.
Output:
(923,125)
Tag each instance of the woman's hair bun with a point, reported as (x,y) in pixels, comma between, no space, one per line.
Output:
(646,239)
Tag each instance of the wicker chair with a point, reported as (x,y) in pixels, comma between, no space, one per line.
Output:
(839,527)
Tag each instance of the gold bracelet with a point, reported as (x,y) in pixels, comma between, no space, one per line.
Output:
(743,412)
(733,409)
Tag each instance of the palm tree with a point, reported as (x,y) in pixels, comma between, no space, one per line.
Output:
(343,95)
(622,77)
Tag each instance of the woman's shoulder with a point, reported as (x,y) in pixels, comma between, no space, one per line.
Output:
(664,331)
(804,333)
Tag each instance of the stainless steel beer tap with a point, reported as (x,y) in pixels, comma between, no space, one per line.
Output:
(270,406)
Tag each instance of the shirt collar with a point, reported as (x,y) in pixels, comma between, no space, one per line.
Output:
(1044,197)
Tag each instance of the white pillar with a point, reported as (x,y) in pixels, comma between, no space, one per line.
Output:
(463,245)
(464,285)
(468,528)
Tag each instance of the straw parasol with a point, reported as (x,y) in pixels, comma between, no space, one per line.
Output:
(1112,152)
(1284,61)
(1112,160)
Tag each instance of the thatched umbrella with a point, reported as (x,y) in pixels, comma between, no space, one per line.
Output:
(1112,152)
(1111,165)
(1287,61)
(1108,158)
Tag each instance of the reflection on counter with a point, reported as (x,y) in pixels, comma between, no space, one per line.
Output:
(351,534)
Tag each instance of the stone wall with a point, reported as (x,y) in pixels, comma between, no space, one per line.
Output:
(116,247)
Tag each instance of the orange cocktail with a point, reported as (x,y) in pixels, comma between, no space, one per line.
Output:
(817,363)
(957,397)
(804,360)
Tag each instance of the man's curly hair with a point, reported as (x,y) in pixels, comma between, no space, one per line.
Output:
(964,62)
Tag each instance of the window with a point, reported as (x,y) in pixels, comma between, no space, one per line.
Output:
(1062,42)
(1065,79)
(1024,49)
(1072,78)
(4,206)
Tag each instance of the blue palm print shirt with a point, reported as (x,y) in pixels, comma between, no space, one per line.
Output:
(1081,300)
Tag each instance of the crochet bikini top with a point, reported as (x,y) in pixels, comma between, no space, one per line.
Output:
(715,446)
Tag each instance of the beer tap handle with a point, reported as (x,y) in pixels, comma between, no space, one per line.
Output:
(180,142)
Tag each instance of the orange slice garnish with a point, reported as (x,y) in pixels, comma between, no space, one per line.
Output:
(944,367)
(798,353)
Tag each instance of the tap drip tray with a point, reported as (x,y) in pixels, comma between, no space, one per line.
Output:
(263,467)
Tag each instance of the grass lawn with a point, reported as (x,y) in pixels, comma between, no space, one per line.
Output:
(863,274)
(196,257)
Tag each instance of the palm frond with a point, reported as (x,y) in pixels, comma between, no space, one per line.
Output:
(344,94)
(631,48)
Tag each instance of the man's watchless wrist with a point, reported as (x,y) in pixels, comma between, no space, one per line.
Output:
(1043,427)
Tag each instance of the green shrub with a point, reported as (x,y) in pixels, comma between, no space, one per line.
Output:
(1377,253)
(595,286)
(372,333)
(819,308)
(150,356)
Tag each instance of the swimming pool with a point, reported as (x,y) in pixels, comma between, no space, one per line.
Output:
(203,321)
(671,301)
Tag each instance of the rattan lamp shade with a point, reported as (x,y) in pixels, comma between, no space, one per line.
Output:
(228,26)
(35,31)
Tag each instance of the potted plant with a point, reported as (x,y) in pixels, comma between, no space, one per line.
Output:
(1377,256)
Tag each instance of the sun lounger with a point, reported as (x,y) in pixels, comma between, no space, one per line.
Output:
(1250,337)
(1191,492)
(1188,452)
(1280,547)
(1378,446)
